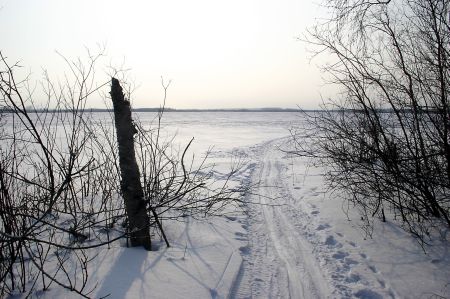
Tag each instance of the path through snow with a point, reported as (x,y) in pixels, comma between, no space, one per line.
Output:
(294,252)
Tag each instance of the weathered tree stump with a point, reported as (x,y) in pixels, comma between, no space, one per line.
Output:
(133,195)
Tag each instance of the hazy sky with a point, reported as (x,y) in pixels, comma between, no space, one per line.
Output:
(218,54)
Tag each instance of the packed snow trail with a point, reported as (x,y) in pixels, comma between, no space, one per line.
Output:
(289,250)
(279,260)
(285,257)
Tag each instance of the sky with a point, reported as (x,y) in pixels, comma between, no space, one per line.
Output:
(217,54)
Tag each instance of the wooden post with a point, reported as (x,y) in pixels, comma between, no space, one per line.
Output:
(133,195)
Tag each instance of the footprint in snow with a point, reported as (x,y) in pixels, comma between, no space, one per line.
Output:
(353,244)
(340,255)
(367,294)
(244,250)
(240,236)
(330,241)
(352,278)
(323,226)
(350,261)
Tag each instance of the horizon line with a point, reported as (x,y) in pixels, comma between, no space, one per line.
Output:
(168,109)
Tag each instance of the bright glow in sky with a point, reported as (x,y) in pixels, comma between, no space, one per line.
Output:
(218,54)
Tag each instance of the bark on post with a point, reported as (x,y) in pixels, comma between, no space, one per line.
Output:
(133,195)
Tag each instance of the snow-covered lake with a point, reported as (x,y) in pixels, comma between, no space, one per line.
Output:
(224,130)
(290,239)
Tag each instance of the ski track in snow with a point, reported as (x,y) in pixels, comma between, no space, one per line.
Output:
(291,253)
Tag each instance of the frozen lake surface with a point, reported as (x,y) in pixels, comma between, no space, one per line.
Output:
(224,130)
(288,239)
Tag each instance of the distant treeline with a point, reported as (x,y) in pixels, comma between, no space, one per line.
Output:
(31,110)
(405,110)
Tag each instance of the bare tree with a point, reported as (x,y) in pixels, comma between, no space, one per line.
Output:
(386,138)
(133,194)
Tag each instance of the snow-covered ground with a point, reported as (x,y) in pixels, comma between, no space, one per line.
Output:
(303,245)
(290,240)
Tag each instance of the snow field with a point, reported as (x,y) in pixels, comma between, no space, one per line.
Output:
(291,239)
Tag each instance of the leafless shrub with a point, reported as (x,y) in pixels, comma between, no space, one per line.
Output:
(60,181)
(386,139)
